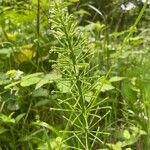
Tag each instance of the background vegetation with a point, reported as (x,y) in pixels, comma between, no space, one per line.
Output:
(74,74)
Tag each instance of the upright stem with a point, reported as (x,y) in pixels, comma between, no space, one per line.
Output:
(73,59)
(76,75)
(38,31)
(38,18)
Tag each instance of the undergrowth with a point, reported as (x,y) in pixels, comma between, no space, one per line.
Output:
(65,85)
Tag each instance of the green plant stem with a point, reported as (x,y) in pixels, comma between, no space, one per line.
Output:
(132,29)
(27,114)
(38,33)
(96,95)
(77,79)
(73,59)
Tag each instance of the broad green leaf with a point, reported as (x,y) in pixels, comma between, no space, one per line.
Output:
(3,79)
(6,119)
(128,92)
(48,78)
(46,125)
(55,144)
(43,146)
(13,105)
(116,79)
(40,93)
(32,75)
(2,130)
(117,146)
(25,55)
(14,74)
(107,87)
(136,40)
(88,96)
(42,82)
(74,1)
(64,86)
(19,117)
(4,82)
(83,12)
(6,52)
(126,134)
(136,130)
(11,37)
(90,27)
(11,73)
(43,2)
(29,81)
(42,102)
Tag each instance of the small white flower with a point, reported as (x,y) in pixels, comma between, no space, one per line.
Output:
(145,118)
(144,1)
(18,75)
(128,6)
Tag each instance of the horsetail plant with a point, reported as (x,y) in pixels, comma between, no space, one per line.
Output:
(85,109)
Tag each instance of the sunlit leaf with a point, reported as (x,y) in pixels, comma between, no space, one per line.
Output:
(64,86)
(126,134)
(74,1)
(29,81)
(25,55)
(5,52)
(11,37)
(48,78)
(6,119)
(116,79)
(37,74)
(107,87)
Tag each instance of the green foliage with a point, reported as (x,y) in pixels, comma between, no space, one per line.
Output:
(74,75)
